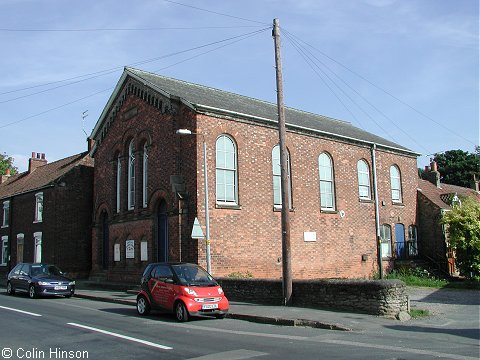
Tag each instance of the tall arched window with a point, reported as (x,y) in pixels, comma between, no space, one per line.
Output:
(277,178)
(226,171)
(119,177)
(327,185)
(145,175)
(363,173)
(131,176)
(395,184)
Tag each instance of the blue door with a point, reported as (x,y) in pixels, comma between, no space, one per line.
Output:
(400,241)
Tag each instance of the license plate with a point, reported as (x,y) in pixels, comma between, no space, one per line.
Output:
(60,288)
(209,306)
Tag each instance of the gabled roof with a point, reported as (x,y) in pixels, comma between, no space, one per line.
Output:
(204,99)
(445,192)
(42,176)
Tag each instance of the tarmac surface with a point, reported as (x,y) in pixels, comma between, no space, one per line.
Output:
(442,304)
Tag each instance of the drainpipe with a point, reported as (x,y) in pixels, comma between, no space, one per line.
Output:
(377,214)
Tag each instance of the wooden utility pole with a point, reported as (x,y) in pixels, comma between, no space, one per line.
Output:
(286,255)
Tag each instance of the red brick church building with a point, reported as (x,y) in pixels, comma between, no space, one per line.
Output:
(149,185)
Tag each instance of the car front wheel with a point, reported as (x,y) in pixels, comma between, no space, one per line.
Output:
(143,307)
(181,312)
(32,292)
(10,289)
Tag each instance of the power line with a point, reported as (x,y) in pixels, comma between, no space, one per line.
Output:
(215,12)
(129,29)
(364,99)
(386,92)
(112,70)
(244,36)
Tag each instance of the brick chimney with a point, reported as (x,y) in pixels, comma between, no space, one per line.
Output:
(36,161)
(5,177)
(432,174)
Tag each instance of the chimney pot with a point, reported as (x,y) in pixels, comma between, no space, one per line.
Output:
(43,156)
(7,172)
(434,166)
(33,154)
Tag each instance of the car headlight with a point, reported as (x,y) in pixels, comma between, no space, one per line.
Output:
(190,291)
(71,283)
(220,290)
(43,283)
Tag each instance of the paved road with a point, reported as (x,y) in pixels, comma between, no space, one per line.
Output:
(82,328)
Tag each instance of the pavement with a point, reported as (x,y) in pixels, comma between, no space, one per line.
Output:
(438,302)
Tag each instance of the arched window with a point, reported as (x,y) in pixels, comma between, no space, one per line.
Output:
(395,184)
(327,185)
(277,178)
(131,176)
(226,171)
(119,177)
(386,240)
(145,175)
(363,173)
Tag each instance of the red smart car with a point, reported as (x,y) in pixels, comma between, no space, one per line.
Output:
(182,288)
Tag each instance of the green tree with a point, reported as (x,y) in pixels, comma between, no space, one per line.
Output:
(6,162)
(463,224)
(457,167)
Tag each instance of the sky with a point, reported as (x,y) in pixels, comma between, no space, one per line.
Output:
(406,70)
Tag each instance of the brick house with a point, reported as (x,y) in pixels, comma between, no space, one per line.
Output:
(46,214)
(149,185)
(434,199)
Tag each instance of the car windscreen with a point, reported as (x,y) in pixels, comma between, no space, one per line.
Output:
(193,275)
(45,270)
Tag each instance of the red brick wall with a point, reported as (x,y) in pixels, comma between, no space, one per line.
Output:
(249,238)
(169,154)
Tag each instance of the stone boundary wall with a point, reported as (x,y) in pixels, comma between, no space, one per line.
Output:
(376,297)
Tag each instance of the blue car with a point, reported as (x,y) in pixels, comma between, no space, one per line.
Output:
(39,280)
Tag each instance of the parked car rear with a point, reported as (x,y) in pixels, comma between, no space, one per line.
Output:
(39,280)
(181,288)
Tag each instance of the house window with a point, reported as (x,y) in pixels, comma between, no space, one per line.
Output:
(20,242)
(4,251)
(6,213)
(327,186)
(145,175)
(363,174)
(39,207)
(37,251)
(277,178)
(395,184)
(131,177)
(386,240)
(412,241)
(119,177)
(226,171)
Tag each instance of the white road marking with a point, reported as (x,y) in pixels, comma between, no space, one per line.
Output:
(144,342)
(231,355)
(20,311)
